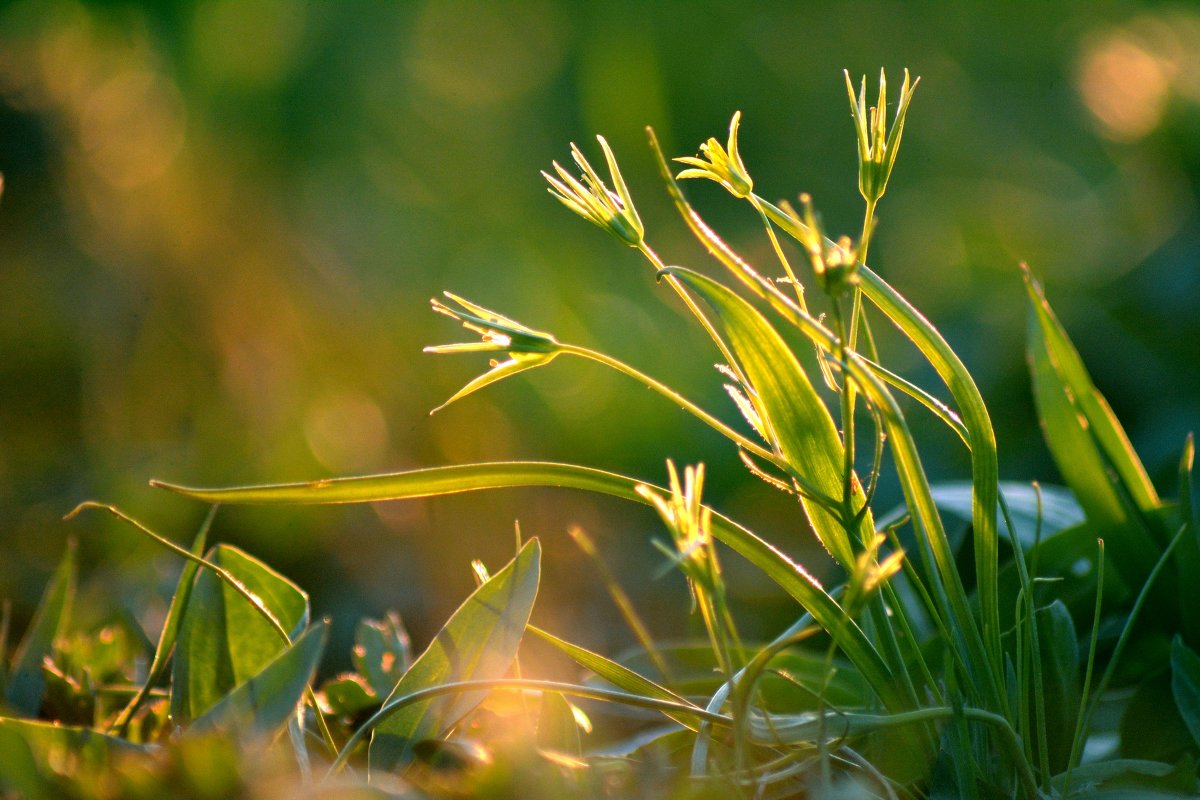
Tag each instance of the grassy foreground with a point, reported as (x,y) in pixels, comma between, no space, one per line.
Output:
(990,640)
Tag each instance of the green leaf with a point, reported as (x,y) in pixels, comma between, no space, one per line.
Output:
(619,676)
(1088,444)
(19,773)
(348,695)
(381,652)
(557,728)
(223,639)
(479,642)
(26,684)
(63,747)
(790,576)
(1059,647)
(793,414)
(259,707)
(1185,685)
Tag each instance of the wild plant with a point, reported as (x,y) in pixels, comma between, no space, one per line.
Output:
(940,665)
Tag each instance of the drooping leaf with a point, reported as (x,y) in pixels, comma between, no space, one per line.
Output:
(1088,444)
(789,575)
(479,642)
(1185,685)
(224,640)
(26,683)
(261,706)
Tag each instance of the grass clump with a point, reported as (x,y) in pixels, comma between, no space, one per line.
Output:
(992,664)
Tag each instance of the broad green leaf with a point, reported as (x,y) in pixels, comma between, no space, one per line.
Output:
(557,728)
(261,706)
(64,748)
(1088,444)
(619,676)
(790,576)
(26,683)
(793,414)
(381,652)
(1185,685)
(1059,648)
(170,630)
(479,642)
(223,639)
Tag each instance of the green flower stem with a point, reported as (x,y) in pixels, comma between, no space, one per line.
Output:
(675,397)
(519,684)
(254,600)
(1123,640)
(1080,733)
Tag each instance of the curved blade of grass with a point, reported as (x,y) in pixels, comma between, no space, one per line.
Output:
(981,439)
(224,640)
(261,706)
(170,630)
(790,576)
(26,684)
(479,642)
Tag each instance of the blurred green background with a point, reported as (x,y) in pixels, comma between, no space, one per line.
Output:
(222,222)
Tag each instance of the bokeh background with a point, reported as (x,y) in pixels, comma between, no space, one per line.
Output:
(222,222)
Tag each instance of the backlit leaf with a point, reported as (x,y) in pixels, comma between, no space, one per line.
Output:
(479,642)
(223,639)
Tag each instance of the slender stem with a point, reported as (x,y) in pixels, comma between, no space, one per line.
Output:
(675,397)
(659,265)
(1115,658)
(787,267)
(1080,733)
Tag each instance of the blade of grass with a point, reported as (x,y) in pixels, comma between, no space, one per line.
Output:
(790,576)
(170,630)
